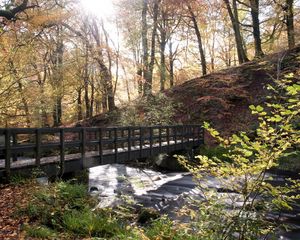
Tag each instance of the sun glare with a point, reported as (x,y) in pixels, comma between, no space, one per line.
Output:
(99,8)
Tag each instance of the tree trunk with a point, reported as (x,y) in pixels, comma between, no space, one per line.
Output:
(92,97)
(290,23)
(163,70)
(86,82)
(242,56)
(57,79)
(254,4)
(199,39)
(20,90)
(108,99)
(171,63)
(147,81)
(149,66)
(79,105)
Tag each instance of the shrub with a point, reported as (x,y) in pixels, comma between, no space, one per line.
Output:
(241,212)
(153,110)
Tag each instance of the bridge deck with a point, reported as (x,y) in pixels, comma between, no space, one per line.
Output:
(65,150)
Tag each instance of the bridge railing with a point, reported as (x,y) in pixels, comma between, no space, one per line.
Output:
(28,144)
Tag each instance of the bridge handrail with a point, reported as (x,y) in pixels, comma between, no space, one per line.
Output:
(37,140)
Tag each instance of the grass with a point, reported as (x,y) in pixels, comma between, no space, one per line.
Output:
(63,210)
(92,224)
(40,232)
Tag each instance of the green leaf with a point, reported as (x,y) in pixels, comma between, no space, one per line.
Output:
(259,108)
(252,107)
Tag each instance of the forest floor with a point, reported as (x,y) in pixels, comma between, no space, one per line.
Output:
(12,197)
(223,98)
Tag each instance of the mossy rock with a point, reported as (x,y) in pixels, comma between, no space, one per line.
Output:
(147,215)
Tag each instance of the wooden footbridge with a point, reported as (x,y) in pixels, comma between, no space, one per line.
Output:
(65,150)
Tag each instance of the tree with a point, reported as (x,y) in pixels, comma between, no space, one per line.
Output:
(199,39)
(289,12)
(234,18)
(254,6)
(11,12)
(169,20)
(108,94)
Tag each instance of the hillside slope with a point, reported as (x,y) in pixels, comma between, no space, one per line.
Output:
(223,98)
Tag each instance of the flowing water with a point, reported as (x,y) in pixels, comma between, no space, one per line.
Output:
(166,192)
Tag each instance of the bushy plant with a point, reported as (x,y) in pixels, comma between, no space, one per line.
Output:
(241,211)
(151,110)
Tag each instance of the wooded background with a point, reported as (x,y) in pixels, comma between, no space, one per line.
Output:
(60,64)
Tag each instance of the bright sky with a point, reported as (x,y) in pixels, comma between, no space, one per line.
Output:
(99,8)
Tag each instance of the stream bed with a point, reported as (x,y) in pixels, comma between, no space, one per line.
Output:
(166,192)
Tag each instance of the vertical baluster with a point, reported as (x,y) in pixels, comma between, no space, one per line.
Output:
(100,145)
(116,144)
(141,142)
(192,133)
(122,136)
(160,139)
(15,142)
(151,140)
(7,152)
(62,151)
(182,136)
(129,143)
(203,135)
(83,147)
(38,147)
(175,134)
(168,138)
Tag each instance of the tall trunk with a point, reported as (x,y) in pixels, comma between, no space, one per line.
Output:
(92,97)
(171,63)
(254,4)
(163,70)
(290,23)
(199,39)
(57,79)
(79,105)
(127,84)
(147,81)
(233,14)
(42,76)
(108,99)
(21,92)
(148,75)
(86,82)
